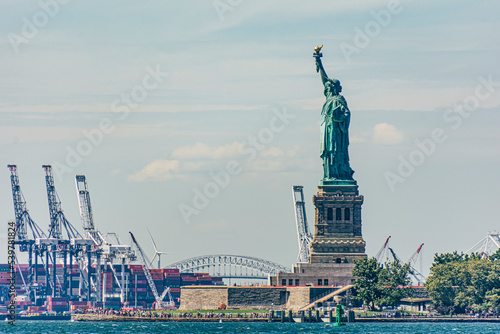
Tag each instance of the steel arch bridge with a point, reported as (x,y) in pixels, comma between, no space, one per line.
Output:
(230,266)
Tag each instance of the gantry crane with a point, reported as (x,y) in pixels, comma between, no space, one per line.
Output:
(86,210)
(72,244)
(109,251)
(63,239)
(159,304)
(486,246)
(58,220)
(24,225)
(303,235)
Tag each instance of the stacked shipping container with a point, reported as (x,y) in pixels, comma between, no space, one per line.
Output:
(135,282)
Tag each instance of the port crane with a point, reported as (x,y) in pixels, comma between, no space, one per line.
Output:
(413,259)
(382,255)
(486,246)
(103,249)
(303,234)
(25,224)
(415,274)
(73,244)
(412,263)
(159,304)
(86,210)
(63,239)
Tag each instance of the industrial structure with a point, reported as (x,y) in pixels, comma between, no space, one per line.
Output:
(92,268)
(68,269)
(76,269)
(387,254)
(66,256)
(487,245)
(303,234)
(24,225)
(159,303)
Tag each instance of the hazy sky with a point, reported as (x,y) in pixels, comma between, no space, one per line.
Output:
(84,87)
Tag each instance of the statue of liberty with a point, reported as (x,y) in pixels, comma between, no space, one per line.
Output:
(335,118)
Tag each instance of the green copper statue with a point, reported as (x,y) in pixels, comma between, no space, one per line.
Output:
(335,118)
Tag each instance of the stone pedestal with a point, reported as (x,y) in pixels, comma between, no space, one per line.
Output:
(337,228)
(337,240)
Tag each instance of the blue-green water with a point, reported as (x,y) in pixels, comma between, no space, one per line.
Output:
(56,327)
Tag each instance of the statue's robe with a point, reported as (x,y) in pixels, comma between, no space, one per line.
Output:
(335,118)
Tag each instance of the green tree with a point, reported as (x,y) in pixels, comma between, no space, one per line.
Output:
(377,285)
(492,301)
(458,283)
(447,258)
(367,285)
(495,256)
(396,283)
(440,286)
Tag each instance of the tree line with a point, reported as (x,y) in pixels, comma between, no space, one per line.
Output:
(461,283)
(458,283)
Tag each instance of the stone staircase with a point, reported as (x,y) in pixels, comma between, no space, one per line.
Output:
(326,296)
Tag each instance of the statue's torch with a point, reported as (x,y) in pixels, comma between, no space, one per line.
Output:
(317,55)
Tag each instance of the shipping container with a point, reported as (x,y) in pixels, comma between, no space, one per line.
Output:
(171,270)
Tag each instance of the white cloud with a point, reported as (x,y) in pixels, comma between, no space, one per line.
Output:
(293,152)
(158,170)
(201,150)
(273,152)
(266,166)
(195,166)
(384,133)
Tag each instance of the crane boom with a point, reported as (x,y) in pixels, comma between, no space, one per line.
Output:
(415,255)
(396,258)
(382,250)
(23,218)
(303,235)
(414,273)
(144,262)
(86,210)
(419,277)
(57,218)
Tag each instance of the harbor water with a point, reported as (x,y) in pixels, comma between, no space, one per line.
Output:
(56,327)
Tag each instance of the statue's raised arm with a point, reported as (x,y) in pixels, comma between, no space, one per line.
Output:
(335,118)
(319,65)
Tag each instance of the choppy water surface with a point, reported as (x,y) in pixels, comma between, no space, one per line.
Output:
(56,327)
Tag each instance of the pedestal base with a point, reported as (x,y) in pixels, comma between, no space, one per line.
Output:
(316,274)
(337,228)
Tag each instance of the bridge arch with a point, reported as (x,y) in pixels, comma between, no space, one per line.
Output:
(230,266)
